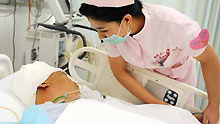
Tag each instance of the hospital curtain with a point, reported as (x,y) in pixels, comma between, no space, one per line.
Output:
(211,21)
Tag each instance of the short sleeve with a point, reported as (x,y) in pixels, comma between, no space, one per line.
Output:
(195,40)
(112,50)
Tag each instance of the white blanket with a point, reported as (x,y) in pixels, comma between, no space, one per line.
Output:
(164,113)
(112,111)
(86,111)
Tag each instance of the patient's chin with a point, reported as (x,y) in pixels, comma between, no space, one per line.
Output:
(38,102)
(42,98)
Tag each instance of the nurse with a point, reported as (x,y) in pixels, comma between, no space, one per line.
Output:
(157,38)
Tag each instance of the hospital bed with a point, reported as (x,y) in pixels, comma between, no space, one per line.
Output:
(11,108)
(171,91)
(102,79)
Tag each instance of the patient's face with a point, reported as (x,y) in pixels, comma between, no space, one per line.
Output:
(56,85)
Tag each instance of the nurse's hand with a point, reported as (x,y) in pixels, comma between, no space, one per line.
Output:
(211,114)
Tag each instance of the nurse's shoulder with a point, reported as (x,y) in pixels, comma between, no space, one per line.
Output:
(166,14)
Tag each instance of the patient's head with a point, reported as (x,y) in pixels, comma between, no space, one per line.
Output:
(55,86)
(38,83)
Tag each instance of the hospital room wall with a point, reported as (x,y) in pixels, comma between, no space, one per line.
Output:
(22,44)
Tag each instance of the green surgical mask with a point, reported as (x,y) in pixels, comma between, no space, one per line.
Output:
(116,39)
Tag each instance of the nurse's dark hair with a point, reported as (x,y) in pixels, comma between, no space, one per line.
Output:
(109,14)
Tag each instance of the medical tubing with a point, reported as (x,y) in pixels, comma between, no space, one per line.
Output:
(65,95)
(68,4)
(68,31)
(84,27)
(9,2)
(197,113)
(64,66)
(53,101)
(12,111)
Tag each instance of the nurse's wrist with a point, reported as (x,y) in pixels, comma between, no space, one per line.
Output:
(214,103)
(164,103)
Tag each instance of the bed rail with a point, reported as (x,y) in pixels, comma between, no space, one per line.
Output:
(164,88)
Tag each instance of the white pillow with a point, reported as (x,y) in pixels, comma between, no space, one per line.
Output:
(5,66)
(4,83)
(9,104)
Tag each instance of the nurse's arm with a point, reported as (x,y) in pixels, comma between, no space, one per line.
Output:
(119,69)
(211,72)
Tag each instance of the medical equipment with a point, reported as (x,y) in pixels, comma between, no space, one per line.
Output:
(5,66)
(61,28)
(63,11)
(5,2)
(68,31)
(64,28)
(57,11)
(46,49)
(64,97)
(11,107)
(12,111)
(164,88)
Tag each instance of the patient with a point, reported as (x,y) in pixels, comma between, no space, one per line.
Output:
(39,83)
(56,85)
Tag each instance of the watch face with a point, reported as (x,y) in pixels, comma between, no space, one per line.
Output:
(171,97)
